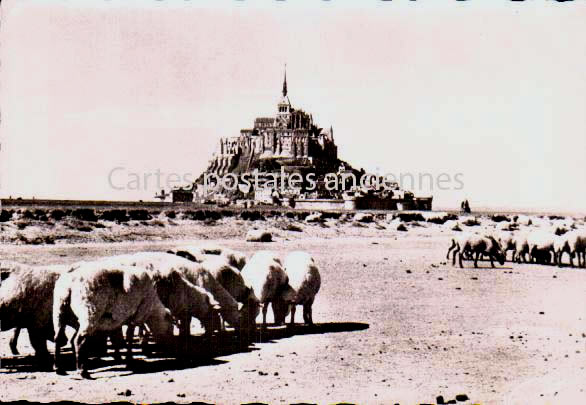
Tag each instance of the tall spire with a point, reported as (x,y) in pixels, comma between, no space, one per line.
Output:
(285,82)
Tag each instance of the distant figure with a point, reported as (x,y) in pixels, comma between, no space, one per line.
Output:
(276,197)
(465,207)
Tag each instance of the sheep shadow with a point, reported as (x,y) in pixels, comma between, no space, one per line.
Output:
(274,333)
(183,353)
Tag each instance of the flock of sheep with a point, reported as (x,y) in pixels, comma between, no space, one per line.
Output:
(528,245)
(153,291)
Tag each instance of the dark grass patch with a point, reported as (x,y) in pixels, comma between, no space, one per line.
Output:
(409,216)
(499,218)
(292,228)
(252,216)
(115,215)
(440,220)
(6,215)
(554,217)
(139,215)
(402,228)
(331,215)
(471,222)
(57,214)
(85,214)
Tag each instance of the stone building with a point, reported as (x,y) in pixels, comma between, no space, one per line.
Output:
(290,139)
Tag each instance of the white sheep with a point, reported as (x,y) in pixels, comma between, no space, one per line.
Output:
(573,243)
(541,244)
(267,278)
(26,301)
(508,242)
(183,299)
(221,268)
(521,245)
(99,297)
(476,245)
(201,253)
(304,284)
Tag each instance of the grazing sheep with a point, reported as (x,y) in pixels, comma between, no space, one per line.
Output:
(508,242)
(197,274)
(26,301)
(541,244)
(574,243)
(267,277)
(521,246)
(476,244)
(258,235)
(183,299)
(304,284)
(100,297)
(229,278)
(234,282)
(202,253)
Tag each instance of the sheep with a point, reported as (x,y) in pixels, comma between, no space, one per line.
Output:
(508,242)
(477,244)
(26,301)
(574,243)
(304,284)
(101,297)
(267,277)
(202,253)
(540,245)
(521,246)
(196,274)
(235,283)
(228,277)
(183,299)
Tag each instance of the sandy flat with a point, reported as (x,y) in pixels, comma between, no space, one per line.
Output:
(396,324)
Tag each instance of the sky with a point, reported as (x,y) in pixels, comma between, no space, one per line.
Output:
(98,96)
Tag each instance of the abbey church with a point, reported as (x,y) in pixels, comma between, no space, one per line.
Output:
(290,139)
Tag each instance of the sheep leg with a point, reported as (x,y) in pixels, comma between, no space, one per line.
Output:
(14,341)
(129,340)
(39,343)
(81,350)
(265,308)
(185,326)
(456,251)
(450,249)
(513,256)
(143,333)
(292,322)
(523,256)
(491,261)
(117,341)
(307,315)
(60,341)
(476,259)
